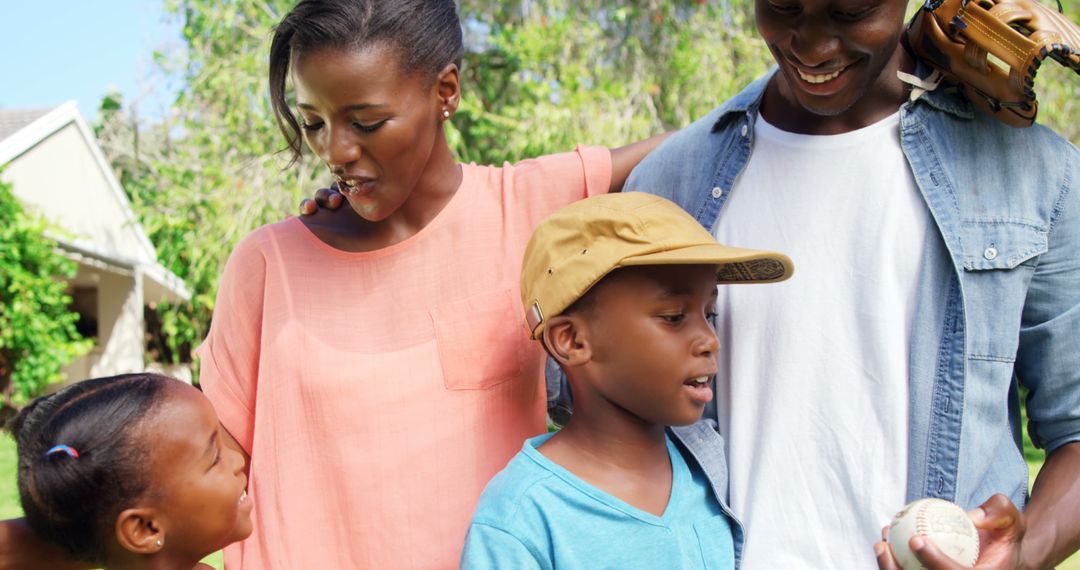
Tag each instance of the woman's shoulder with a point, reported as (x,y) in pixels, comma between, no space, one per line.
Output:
(515,166)
(265,235)
(550,180)
(252,251)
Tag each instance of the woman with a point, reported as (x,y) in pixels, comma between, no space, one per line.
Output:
(417,382)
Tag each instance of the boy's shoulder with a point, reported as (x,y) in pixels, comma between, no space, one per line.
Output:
(518,488)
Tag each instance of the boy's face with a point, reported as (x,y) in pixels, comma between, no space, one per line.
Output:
(653,343)
(837,58)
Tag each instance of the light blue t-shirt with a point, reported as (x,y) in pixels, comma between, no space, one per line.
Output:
(536,514)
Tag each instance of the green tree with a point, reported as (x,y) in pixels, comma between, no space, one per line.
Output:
(543,76)
(37,329)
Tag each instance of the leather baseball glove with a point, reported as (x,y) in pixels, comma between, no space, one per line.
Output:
(992,50)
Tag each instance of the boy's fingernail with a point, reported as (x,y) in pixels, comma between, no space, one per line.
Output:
(879,549)
(918,543)
(977,515)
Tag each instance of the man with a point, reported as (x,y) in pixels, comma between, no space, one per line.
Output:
(938,270)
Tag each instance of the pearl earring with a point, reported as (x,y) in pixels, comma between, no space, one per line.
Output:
(158,543)
(446,114)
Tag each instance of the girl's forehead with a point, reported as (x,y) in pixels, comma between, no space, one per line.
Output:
(181,405)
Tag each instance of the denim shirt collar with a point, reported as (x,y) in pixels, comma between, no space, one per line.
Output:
(747,102)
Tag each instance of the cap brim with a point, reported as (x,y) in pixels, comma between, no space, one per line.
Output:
(736,265)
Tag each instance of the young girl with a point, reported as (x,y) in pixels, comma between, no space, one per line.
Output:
(371,360)
(130,472)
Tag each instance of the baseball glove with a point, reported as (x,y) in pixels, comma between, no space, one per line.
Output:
(992,50)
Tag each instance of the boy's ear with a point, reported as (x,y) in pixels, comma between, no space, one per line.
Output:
(567,340)
(139,530)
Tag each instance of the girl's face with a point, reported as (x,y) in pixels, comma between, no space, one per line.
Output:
(372,124)
(198,486)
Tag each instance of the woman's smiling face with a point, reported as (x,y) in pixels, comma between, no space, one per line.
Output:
(373,125)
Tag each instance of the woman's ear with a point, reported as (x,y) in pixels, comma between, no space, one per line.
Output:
(567,340)
(139,530)
(448,88)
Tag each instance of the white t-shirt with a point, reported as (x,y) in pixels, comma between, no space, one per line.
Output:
(813,379)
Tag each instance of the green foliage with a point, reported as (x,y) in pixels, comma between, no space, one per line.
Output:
(552,74)
(9,490)
(37,331)
(1058,93)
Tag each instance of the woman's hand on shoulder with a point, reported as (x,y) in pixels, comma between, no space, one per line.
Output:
(326,198)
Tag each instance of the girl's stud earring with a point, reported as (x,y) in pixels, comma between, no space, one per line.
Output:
(158,543)
(446,114)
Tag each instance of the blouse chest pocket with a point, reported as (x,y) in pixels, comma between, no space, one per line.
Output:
(481,340)
(999,261)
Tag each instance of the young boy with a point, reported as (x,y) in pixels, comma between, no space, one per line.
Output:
(621,291)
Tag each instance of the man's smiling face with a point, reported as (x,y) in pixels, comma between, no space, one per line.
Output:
(837,58)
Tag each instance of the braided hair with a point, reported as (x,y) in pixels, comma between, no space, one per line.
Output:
(79,461)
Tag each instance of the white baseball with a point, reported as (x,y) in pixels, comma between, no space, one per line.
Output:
(943,522)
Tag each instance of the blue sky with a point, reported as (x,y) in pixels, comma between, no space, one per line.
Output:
(52,51)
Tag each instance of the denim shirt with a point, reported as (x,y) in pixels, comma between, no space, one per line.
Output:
(999,295)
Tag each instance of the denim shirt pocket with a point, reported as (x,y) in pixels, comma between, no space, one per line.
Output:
(481,340)
(999,258)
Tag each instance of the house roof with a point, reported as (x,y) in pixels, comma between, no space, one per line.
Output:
(23,129)
(12,120)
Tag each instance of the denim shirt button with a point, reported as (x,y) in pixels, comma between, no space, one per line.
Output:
(744,130)
(717,192)
(990,253)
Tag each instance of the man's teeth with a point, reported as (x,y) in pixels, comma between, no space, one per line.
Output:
(700,380)
(812,78)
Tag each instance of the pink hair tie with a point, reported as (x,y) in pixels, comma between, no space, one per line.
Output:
(62,449)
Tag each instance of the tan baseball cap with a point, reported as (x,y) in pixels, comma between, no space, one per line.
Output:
(574,248)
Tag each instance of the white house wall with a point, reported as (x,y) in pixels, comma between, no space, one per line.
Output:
(61,178)
(120,342)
